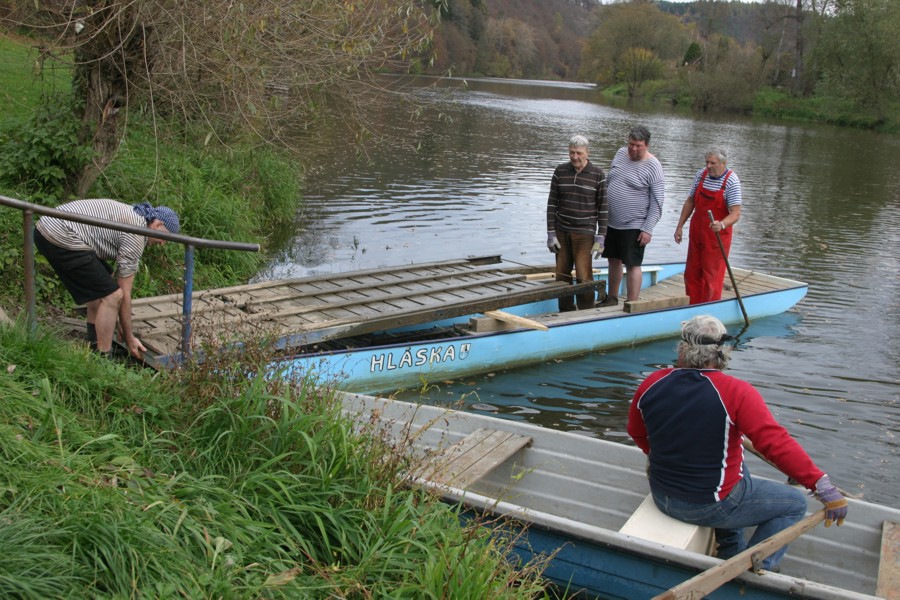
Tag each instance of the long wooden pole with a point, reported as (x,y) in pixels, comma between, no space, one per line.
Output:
(708,581)
(737,293)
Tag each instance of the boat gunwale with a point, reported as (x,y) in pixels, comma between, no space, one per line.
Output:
(448,423)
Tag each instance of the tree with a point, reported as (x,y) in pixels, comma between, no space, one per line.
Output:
(627,26)
(729,76)
(638,65)
(251,67)
(861,53)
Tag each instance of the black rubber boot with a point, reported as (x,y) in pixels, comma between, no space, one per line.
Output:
(92,336)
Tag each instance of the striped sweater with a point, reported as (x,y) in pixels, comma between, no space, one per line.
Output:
(636,190)
(577,200)
(108,244)
(733,192)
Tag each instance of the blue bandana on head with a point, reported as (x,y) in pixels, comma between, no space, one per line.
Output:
(164,214)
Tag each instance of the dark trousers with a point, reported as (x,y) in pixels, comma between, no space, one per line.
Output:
(575,251)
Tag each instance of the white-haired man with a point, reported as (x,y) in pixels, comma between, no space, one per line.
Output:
(690,421)
(576,220)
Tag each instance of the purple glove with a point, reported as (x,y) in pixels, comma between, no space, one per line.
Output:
(597,248)
(834,501)
(553,243)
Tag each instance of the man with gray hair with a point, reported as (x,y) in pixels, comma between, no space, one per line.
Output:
(691,421)
(576,220)
(716,189)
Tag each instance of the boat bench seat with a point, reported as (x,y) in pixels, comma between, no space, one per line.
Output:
(471,458)
(649,523)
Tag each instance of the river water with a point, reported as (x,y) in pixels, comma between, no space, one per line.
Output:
(470,177)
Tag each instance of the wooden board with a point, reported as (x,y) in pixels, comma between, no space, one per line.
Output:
(472,458)
(888,586)
(298,312)
(636,306)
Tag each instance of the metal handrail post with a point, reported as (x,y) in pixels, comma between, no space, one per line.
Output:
(187,301)
(28,250)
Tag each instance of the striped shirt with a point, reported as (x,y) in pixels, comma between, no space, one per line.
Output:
(733,195)
(636,192)
(577,200)
(108,244)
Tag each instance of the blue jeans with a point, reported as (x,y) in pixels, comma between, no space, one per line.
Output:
(767,505)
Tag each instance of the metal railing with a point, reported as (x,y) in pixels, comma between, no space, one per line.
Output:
(189,243)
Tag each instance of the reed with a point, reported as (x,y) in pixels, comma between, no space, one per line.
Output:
(124,483)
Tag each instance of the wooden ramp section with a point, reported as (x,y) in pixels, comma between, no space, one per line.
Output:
(473,457)
(312,309)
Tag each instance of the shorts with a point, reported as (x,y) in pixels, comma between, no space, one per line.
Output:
(82,272)
(623,244)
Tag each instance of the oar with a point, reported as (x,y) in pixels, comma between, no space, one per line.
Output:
(737,294)
(708,581)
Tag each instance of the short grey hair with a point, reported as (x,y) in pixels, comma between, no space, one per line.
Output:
(639,134)
(701,343)
(578,141)
(718,153)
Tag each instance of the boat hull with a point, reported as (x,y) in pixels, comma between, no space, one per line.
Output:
(409,365)
(568,496)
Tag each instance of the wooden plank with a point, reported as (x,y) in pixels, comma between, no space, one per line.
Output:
(409,270)
(473,457)
(636,306)
(245,299)
(888,586)
(348,327)
(278,313)
(710,580)
(515,320)
(298,334)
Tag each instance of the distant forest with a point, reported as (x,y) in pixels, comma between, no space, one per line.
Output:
(544,39)
(831,60)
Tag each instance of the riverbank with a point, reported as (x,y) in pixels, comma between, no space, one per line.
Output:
(767,103)
(237,192)
(123,482)
(120,482)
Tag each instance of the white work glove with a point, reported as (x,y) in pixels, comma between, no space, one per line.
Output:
(553,243)
(597,248)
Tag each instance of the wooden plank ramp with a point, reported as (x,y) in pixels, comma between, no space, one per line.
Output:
(470,459)
(314,309)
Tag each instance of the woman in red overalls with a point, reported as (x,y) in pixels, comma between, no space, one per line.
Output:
(718,189)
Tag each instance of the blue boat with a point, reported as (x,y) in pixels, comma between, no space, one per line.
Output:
(411,356)
(583,502)
(409,325)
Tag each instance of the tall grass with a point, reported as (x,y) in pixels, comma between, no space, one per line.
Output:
(118,483)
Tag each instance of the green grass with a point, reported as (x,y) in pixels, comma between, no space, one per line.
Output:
(20,90)
(117,483)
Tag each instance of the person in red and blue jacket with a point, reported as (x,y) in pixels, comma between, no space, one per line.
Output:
(691,419)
